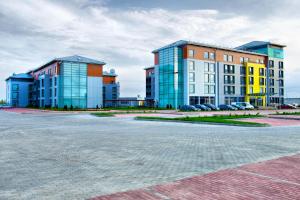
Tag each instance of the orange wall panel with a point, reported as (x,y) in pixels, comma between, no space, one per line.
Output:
(109,79)
(95,70)
(156,58)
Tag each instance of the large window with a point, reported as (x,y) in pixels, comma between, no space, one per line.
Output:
(229,69)
(192,76)
(15,87)
(209,89)
(229,90)
(192,88)
(229,79)
(73,81)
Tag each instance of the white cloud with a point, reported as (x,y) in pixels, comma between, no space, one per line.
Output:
(36,31)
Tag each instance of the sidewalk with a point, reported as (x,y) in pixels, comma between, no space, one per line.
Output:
(276,179)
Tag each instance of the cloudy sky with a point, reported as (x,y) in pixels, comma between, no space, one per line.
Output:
(124,32)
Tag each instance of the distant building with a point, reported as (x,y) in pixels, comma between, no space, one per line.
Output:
(111,88)
(72,81)
(17,90)
(150,87)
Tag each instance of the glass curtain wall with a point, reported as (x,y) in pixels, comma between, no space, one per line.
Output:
(170,77)
(73,85)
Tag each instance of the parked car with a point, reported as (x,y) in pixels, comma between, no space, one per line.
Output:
(239,107)
(286,106)
(202,107)
(5,106)
(247,105)
(227,107)
(188,108)
(211,106)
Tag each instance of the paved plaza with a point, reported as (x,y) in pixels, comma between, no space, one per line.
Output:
(51,155)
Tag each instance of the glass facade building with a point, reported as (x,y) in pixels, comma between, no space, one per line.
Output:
(73,85)
(171,77)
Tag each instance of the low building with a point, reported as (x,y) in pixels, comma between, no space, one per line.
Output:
(111,88)
(17,90)
(72,81)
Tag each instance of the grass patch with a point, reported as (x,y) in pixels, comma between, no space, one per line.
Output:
(217,119)
(287,113)
(103,114)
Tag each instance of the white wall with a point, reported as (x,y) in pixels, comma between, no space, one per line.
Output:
(94,92)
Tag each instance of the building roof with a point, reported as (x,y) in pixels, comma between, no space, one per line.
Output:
(185,42)
(21,76)
(258,44)
(74,58)
(151,67)
(111,73)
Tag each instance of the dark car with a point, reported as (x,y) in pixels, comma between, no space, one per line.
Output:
(211,106)
(202,107)
(286,106)
(188,108)
(239,107)
(227,107)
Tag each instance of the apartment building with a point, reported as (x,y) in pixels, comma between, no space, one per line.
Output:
(72,81)
(188,73)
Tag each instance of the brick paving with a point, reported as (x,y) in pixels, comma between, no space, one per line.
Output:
(274,121)
(276,179)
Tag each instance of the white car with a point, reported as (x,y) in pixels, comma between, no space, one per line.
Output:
(247,105)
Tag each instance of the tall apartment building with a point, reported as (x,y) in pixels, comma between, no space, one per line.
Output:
(188,73)
(69,81)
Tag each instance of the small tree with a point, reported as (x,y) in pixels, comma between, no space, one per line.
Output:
(71,108)
(97,107)
(65,107)
(168,106)
(2,101)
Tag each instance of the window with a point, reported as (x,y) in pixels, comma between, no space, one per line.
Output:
(261,81)
(206,67)
(192,88)
(211,67)
(280,74)
(243,90)
(257,60)
(209,89)
(261,90)
(241,60)
(212,78)
(15,95)
(206,78)
(251,70)
(229,79)
(281,83)
(246,59)
(191,53)
(271,72)
(55,92)
(192,77)
(243,70)
(251,90)
(206,55)
(229,69)
(42,82)
(243,80)
(191,65)
(271,63)
(225,57)
(271,82)
(212,56)
(251,80)
(43,93)
(55,81)
(229,90)
(261,61)
(272,91)
(261,71)
(230,58)
(281,92)
(280,64)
